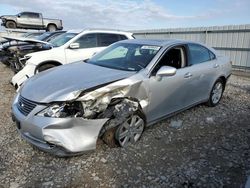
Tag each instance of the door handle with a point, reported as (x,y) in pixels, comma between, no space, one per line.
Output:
(188,75)
(216,65)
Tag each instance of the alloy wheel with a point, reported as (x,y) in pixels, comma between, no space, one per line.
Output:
(217,92)
(130,131)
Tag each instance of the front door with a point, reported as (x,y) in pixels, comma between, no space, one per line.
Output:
(169,94)
(87,48)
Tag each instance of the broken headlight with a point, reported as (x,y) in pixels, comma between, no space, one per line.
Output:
(72,109)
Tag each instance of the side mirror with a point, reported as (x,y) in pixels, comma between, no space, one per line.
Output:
(74,46)
(166,71)
(19,15)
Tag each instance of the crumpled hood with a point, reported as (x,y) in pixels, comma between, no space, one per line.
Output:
(24,39)
(64,82)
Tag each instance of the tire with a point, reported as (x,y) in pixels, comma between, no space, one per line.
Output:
(11,24)
(216,93)
(44,67)
(126,133)
(51,28)
(109,137)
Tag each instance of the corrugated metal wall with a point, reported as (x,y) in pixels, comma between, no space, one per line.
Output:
(232,41)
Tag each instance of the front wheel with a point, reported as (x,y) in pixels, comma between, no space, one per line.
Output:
(126,133)
(216,93)
(11,24)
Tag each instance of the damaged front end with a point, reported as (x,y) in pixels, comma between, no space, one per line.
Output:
(76,125)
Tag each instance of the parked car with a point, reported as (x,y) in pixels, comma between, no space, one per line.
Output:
(117,93)
(7,42)
(21,50)
(14,51)
(32,35)
(75,45)
(31,20)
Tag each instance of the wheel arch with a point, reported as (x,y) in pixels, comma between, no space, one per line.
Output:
(113,103)
(224,80)
(47,27)
(53,62)
(118,116)
(11,20)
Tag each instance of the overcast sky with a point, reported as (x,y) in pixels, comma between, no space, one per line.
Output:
(135,14)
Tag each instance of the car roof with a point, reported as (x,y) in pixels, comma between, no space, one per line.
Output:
(159,42)
(98,30)
(30,12)
(155,42)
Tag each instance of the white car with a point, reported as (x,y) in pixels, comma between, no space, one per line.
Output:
(69,47)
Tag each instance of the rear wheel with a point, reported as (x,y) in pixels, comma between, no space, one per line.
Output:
(126,133)
(216,93)
(44,67)
(11,24)
(51,28)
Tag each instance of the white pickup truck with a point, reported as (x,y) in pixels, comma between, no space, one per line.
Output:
(31,20)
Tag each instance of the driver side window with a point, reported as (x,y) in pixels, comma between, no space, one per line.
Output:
(174,57)
(23,15)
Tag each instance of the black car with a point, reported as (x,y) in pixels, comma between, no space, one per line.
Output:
(12,52)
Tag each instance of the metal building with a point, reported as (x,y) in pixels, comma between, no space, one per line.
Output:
(232,41)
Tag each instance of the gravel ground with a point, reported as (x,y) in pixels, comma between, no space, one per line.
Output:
(201,147)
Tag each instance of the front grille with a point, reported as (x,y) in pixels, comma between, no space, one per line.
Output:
(25,106)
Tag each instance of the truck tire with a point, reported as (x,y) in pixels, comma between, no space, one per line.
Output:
(51,28)
(11,24)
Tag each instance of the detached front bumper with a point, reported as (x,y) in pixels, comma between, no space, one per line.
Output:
(59,136)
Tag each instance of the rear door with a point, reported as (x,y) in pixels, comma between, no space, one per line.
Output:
(36,19)
(203,70)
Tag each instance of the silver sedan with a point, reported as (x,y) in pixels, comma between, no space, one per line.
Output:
(117,93)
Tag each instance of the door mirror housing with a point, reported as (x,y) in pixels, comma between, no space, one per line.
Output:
(74,45)
(166,71)
(19,15)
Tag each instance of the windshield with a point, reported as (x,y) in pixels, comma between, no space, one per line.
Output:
(62,39)
(44,36)
(125,56)
(31,35)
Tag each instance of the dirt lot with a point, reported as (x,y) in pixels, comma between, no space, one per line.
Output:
(210,147)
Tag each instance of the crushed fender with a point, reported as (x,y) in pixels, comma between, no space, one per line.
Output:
(97,101)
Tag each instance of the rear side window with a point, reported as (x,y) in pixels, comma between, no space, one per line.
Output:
(123,37)
(199,54)
(34,15)
(87,41)
(105,39)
